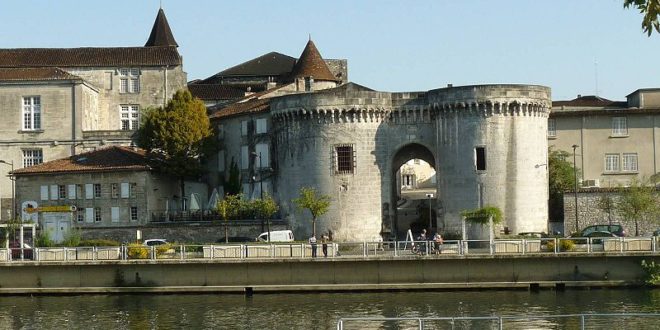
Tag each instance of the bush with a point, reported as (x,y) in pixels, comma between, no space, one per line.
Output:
(98,242)
(163,248)
(564,245)
(72,239)
(652,273)
(44,240)
(138,251)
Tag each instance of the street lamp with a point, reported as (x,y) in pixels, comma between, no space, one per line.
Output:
(261,190)
(429,196)
(13,180)
(577,226)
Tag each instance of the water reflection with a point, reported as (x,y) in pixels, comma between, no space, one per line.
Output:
(321,311)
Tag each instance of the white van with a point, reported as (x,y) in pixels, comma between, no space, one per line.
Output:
(276,236)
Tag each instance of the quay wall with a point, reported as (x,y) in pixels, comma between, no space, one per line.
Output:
(322,274)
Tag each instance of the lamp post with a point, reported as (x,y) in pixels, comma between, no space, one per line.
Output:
(430,213)
(13,195)
(261,190)
(577,226)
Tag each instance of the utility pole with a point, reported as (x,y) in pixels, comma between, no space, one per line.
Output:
(577,226)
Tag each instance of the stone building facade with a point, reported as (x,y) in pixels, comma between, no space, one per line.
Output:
(348,142)
(57,102)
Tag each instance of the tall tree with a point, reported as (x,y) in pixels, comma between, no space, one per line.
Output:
(177,136)
(228,207)
(560,179)
(233,184)
(607,204)
(650,9)
(265,208)
(638,202)
(316,204)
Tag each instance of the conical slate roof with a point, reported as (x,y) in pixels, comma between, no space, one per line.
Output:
(311,64)
(161,34)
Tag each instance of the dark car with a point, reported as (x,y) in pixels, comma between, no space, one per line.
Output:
(617,230)
(594,234)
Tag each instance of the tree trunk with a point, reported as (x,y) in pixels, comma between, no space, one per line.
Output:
(314,226)
(226,233)
(183,193)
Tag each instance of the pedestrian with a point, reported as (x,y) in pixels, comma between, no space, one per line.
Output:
(437,243)
(324,244)
(312,242)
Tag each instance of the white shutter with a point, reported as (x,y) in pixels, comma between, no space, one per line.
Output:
(221,161)
(245,159)
(114,214)
(262,126)
(72,191)
(53,192)
(89,191)
(89,214)
(44,193)
(262,151)
(125,190)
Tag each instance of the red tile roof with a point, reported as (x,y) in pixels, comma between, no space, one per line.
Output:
(311,64)
(108,159)
(215,92)
(89,57)
(34,74)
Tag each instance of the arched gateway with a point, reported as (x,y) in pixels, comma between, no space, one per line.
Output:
(483,141)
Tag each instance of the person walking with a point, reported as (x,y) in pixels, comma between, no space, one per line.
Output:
(312,242)
(324,244)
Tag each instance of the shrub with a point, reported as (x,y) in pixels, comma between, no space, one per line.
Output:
(44,240)
(72,238)
(564,245)
(138,251)
(652,273)
(160,249)
(98,242)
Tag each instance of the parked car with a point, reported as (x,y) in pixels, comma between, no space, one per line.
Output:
(656,233)
(154,242)
(533,234)
(599,234)
(276,236)
(617,230)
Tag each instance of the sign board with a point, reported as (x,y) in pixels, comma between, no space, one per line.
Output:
(29,211)
(58,208)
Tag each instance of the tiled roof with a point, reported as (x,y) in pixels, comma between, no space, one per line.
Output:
(102,160)
(589,101)
(215,92)
(21,74)
(253,103)
(161,34)
(273,63)
(89,57)
(311,64)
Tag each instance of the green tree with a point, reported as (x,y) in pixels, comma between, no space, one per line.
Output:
(177,136)
(638,202)
(317,204)
(233,184)
(228,207)
(650,9)
(487,215)
(607,204)
(265,208)
(560,179)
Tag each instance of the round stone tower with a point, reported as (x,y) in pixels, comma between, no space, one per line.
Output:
(487,143)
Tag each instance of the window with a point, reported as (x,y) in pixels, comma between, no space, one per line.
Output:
(308,83)
(31,113)
(54,192)
(89,214)
(612,163)
(32,157)
(134,213)
(261,150)
(244,128)
(125,190)
(345,159)
(80,215)
(97,190)
(416,161)
(44,193)
(245,159)
(72,191)
(129,116)
(130,80)
(132,190)
(61,192)
(114,214)
(114,190)
(262,126)
(630,162)
(552,127)
(89,191)
(97,214)
(480,158)
(619,126)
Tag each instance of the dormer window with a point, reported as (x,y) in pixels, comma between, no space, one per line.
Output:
(129,80)
(309,81)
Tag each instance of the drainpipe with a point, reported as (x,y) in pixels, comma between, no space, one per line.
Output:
(73,119)
(165,87)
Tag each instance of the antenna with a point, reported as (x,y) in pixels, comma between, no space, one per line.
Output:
(596,75)
(161,4)
(310,37)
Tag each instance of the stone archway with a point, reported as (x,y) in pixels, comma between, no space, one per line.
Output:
(402,207)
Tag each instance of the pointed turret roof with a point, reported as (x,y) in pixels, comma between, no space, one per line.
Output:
(312,64)
(161,34)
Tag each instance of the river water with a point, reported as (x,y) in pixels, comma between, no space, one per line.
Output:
(322,310)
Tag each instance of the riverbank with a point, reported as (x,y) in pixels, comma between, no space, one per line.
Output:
(325,274)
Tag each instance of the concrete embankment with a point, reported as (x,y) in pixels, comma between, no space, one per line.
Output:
(279,275)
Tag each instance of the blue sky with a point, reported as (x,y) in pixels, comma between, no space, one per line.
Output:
(390,45)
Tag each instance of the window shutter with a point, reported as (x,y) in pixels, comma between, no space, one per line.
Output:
(125,191)
(72,191)
(245,159)
(53,192)
(89,191)
(114,214)
(262,126)
(244,128)
(89,214)
(221,161)
(44,193)
(262,151)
